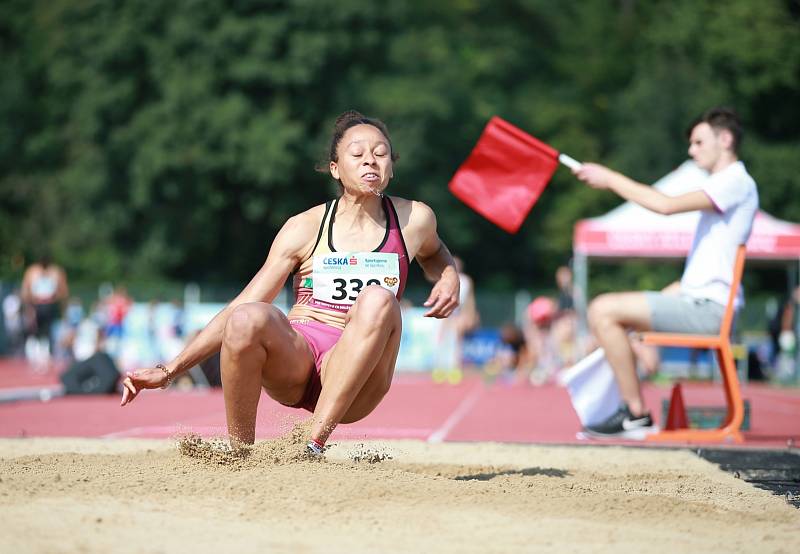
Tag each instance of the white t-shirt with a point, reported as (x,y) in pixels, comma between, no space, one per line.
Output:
(709,267)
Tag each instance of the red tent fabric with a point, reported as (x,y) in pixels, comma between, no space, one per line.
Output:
(505,174)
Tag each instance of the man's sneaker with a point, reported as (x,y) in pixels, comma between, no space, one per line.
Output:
(624,425)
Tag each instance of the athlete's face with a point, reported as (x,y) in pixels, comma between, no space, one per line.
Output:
(706,145)
(365,160)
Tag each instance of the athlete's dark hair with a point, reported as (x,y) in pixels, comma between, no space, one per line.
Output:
(348,119)
(720,118)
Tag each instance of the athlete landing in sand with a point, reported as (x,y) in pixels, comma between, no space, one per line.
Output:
(334,354)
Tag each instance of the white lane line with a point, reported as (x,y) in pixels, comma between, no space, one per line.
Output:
(458,414)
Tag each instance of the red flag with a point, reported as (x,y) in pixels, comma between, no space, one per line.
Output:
(505,174)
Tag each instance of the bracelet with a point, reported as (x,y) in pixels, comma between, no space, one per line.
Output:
(163,368)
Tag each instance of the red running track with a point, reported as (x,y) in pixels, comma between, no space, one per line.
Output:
(415,408)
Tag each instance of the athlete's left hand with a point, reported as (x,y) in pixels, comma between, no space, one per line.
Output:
(444,295)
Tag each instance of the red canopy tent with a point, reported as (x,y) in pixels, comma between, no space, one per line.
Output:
(630,231)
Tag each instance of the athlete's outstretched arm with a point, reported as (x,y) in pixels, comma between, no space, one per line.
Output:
(286,252)
(438,265)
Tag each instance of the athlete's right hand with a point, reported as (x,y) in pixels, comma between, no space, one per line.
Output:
(140,379)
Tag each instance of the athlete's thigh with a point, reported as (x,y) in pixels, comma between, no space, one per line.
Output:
(289,360)
(628,308)
(381,373)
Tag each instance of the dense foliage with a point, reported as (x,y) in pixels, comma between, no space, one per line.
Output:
(170,140)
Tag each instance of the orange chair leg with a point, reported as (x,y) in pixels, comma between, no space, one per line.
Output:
(733,394)
(729,431)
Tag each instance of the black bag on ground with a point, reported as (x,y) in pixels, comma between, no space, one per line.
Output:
(95,375)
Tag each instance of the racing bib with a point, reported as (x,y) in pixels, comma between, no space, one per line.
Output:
(340,276)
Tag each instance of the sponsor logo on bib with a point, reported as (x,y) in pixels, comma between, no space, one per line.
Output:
(332,261)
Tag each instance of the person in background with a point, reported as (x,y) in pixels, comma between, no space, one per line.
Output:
(178,319)
(73,316)
(539,339)
(452,331)
(563,327)
(153,335)
(782,329)
(90,334)
(466,317)
(728,202)
(44,290)
(14,322)
(513,358)
(117,306)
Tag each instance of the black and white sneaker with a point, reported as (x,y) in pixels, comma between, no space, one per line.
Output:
(624,425)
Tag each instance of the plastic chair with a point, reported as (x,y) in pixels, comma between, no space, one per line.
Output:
(721,344)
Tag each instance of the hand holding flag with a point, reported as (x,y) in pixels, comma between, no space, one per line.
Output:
(596,176)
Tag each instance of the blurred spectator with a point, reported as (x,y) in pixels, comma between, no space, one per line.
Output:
(564,322)
(205,374)
(550,330)
(566,302)
(14,325)
(73,316)
(89,339)
(466,317)
(74,313)
(152,330)
(782,330)
(178,319)
(44,289)
(117,305)
(539,339)
(461,322)
(514,355)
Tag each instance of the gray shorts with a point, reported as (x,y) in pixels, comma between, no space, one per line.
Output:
(670,313)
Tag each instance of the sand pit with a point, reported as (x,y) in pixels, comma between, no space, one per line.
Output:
(83,495)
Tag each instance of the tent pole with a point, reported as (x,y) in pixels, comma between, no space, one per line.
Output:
(580,270)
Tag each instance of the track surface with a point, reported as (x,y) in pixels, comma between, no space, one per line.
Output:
(415,408)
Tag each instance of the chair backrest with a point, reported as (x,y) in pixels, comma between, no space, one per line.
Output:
(738,269)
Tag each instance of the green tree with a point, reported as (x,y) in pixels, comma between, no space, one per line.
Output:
(155,140)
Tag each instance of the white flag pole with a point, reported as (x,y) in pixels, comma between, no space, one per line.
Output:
(570,162)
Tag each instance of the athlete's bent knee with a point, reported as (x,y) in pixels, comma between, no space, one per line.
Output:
(246,325)
(377,303)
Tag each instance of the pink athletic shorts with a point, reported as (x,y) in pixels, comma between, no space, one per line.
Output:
(320,339)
